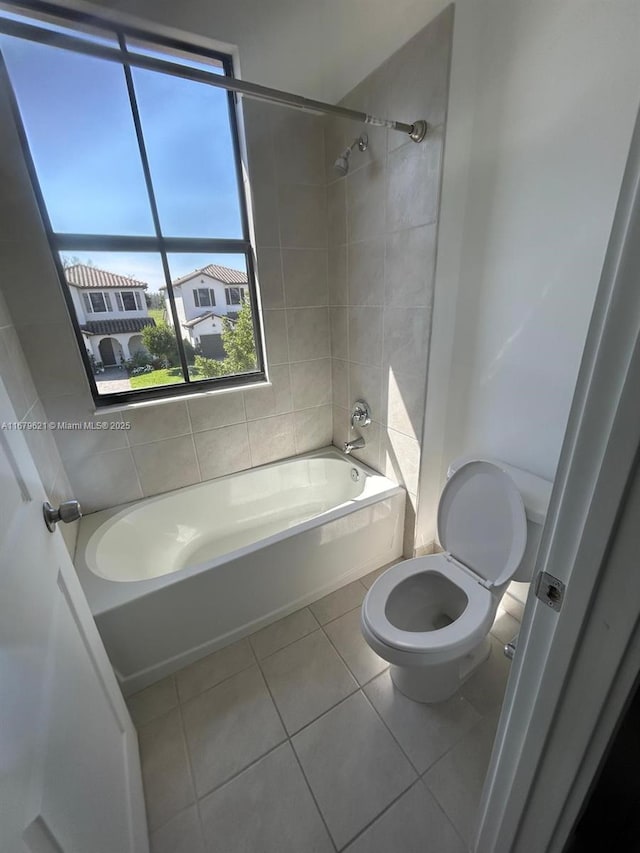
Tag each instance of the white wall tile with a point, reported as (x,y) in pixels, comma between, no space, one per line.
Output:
(311,383)
(216,410)
(153,423)
(271,439)
(104,480)
(305,277)
(223,451)
(308,330)
(273,399)
(313,428)
(166,465)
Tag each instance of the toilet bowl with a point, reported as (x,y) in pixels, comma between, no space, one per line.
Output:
(430,616)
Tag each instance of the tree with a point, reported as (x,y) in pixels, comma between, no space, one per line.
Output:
(160,341)
(238,342)
(239,346)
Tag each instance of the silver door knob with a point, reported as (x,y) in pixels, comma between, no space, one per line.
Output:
(67,511)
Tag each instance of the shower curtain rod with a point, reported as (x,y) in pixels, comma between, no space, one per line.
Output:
(416,131)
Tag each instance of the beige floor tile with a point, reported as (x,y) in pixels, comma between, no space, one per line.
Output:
(425,732)
(485,689)
(153,701)
(283,632)
(165,770)
(505,627)
(182,834)
(306,679)
(228,727)
(338,602)
(353,765)
(346,636)
(368,580)
(456,780)
(267,808)
(414,824)
(209,671)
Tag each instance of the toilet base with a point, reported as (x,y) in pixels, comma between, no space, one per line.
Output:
(436,683)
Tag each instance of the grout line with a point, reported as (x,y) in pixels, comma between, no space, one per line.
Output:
(286,645)
(441,809)
(192,775)
(313,796)
(249,766)
(379,815)
(396,741)
(291,746)
(193,442)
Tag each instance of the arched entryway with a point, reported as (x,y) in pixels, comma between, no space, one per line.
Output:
(136,345)
(110,352)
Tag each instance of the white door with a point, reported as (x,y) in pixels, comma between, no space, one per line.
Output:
(70,777)
(574,670)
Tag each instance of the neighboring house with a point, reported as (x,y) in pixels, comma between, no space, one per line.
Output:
(203,299)
(111,311)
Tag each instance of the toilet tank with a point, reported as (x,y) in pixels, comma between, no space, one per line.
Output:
(536,493)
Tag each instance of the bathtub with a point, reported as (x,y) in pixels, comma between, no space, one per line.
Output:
(172,578)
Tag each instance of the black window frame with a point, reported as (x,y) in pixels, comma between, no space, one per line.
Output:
(132,295)
(93,295)
(234,287)
(197,298)
(159,243)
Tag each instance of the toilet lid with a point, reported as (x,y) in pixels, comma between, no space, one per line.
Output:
(482,521)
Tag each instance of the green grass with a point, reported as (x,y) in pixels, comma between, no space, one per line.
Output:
(170,376)
(157,314)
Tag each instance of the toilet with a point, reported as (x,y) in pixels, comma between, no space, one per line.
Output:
(430,616)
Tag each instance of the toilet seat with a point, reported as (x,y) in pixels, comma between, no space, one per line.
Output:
(465,632)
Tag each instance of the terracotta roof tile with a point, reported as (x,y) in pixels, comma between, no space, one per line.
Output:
(81,275)
(223,274)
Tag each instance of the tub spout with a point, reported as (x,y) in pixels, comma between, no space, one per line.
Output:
(356,444)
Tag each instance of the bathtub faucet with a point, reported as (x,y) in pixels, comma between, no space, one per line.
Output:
(356,444)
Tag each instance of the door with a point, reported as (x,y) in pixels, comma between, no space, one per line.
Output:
(107,355)
(211,346)
(574,670)
(70,777)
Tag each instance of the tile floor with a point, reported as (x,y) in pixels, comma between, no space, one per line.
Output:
(295,741)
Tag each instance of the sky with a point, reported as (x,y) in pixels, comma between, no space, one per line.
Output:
(76,114)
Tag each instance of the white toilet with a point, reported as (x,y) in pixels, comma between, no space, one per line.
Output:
(430,616)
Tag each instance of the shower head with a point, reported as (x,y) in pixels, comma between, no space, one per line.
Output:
(341,164)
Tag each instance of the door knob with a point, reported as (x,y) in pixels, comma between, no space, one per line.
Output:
(67,511)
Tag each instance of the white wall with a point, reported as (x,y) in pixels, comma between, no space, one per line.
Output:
(319,48)
(543,99)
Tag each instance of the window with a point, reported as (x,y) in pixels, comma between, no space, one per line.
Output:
(99,302)
(204,297)
(130,300)
(234,295)
(134,157)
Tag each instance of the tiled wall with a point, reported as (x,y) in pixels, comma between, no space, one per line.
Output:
(346,274)
(178,443)
(382,248)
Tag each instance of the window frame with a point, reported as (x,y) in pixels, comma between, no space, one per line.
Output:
(132,296)
(93,296)
(197,298)
(159,243)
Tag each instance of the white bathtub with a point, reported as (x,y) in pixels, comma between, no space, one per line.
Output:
(172,578)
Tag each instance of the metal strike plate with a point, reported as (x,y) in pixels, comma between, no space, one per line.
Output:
(550,590)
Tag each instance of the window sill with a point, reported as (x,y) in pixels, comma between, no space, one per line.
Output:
(197,395)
